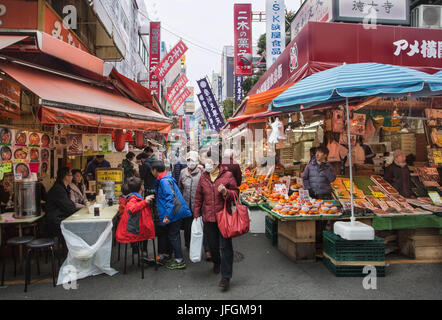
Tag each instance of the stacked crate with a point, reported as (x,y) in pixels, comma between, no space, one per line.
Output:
(296,240)
(347,258)
(272,230)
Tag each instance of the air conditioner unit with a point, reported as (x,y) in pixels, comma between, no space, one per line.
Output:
(427,16)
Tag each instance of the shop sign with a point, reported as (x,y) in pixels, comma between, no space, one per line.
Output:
(242,19)
(275,30)
(9,100)
(176,88)
(56,28)
(238,89)
(154,56)
(170,60)
(207,114)
(426,49)
(109,175)
(18,14)
(311,10)
(372,11)
(208,102)
(180,100)
(220,89)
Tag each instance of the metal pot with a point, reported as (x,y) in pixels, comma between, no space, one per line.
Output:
(108,189)
(27,199)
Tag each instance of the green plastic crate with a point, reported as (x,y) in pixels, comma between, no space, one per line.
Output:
(272,225)
(349,250)
(350,271)
(272,237)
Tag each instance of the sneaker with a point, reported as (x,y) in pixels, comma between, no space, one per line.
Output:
(164,260)
(216,269)
(176,265)
(224,284)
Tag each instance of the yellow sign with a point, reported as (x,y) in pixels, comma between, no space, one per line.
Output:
(110,175)
(378,194)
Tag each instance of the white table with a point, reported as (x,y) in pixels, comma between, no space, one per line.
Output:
(89,241)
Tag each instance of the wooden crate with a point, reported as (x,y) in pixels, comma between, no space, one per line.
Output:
(297,252)
(425,243)
(298,231)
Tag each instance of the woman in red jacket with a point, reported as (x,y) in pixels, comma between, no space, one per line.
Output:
(216,186)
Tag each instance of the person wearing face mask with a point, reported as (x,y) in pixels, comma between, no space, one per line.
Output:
(398,174)
(216,187)
(188,183)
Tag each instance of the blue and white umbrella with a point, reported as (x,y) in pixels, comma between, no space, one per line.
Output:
(438,74)
(356,80)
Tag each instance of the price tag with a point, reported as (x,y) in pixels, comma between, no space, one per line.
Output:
(304,195)
(378,194)
(435,198)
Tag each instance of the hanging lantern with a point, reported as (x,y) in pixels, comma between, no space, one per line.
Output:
(139,139)
(129,136)
(120,140)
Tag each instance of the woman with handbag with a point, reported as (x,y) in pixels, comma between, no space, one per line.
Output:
(215,193)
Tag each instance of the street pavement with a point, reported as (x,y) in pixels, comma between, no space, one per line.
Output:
(263,273)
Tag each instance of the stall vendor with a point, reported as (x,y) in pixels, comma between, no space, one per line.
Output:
(98,162)
(398,174)
(318,175)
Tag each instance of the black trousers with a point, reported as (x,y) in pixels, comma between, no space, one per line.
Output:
(221,249)
(164,245)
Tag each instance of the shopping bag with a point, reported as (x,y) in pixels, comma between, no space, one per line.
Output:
(196,240)
(235,224)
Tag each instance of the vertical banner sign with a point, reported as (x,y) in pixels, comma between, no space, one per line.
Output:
(180,100)
(242,19)
(220,89)
(206,110)
(176,88)
(275,30)
(170,59)
(212,106)
(238,89)
(154,56)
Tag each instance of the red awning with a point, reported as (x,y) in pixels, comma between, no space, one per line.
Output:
(6,41)
(234,122)
(51,115)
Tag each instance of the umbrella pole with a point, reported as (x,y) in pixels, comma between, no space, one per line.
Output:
(352,219)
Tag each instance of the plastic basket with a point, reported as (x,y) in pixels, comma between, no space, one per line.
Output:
(271,225)
(350,271)
(272,237)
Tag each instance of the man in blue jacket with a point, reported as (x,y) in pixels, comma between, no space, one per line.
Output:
(98,162)
(318,175)
(171,209)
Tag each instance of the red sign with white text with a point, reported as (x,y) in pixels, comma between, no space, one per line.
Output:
(154,56)
(180,100)
(242,19)
(176,88)
(170,59)
(18,14)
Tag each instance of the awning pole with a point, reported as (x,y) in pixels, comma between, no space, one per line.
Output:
(352,219)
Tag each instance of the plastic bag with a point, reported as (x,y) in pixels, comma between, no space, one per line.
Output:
(196,240)
(90,248)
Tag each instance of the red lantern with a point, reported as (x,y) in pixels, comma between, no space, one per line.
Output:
(120,140)
(139,139)
(129,136)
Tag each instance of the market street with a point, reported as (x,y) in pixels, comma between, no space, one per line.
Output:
(264,273)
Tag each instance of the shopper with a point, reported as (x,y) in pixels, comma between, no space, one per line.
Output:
(98,162)
(145,170)
(77,190)
(136,223)
(318,175)
(398,174)
(188,182)
(171,209)
(216,187)
(179,165)
(59,205)
(128,166)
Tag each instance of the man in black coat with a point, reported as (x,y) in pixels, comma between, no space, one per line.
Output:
(398,174)
(146,158)
(59,205)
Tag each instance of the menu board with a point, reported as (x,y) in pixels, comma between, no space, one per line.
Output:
(110,174)
(74,144)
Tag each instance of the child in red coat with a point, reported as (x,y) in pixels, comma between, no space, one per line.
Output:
(136,222)
(123,199)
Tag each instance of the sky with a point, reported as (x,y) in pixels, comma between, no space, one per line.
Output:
(206,23)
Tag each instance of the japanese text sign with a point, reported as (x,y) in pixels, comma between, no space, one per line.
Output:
(207,113)
(170,59)
(154,56)
(275,30)
(176,88)
(427,49)
(211,105)
(242,19)
(238,89)
(180,100)
(311,10)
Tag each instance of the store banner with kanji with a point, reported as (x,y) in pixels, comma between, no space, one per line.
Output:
(210,103)
(242,19)
(154,56)
(206,110)
(178,102)
(170,59)
(238,89)
(275,30)
(173,91)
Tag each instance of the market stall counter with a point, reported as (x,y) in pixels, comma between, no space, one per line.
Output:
(89,241)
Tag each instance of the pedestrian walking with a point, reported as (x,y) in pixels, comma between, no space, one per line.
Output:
(171,209)
(216,187)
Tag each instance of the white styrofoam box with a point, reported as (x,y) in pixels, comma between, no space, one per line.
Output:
(354,230)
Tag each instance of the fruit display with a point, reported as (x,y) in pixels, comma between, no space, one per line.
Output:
(294,206)
(252,198)
(341,187)
(243,187)
(384,184)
